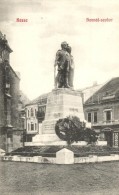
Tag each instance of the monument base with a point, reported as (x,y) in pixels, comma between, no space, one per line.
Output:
(61,103)
(44,142)
(47,139)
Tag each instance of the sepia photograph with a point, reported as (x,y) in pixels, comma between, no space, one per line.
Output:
(59,97)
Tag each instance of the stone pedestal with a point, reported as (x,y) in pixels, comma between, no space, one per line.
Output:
(64,156)
(60,104)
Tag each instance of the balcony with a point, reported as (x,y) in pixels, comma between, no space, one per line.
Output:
(108,97)
(32,132)
(103,123)
(40,116)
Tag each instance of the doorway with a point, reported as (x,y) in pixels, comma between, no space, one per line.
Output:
(108,138)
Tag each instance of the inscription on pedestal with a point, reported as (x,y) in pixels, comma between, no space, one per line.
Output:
(57,115)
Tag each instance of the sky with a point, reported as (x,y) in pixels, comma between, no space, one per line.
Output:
(95,45)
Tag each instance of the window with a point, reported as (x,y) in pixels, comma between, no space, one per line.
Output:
(28,127)
(35,126)
(89,117)
(44,108)
(107,115)
(28,113)
(35,112)
(40,109)
(32,126)
(95,117)
(31,111)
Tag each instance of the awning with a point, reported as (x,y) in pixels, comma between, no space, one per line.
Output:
(107,129)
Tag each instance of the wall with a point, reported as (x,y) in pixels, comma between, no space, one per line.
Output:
(109,130)
(99,108)
(1,96)
(9,98)
(17,139)
(15,98)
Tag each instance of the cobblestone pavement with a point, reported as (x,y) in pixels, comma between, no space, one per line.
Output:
(48,179)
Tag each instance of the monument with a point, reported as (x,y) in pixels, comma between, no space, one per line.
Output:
(63,101)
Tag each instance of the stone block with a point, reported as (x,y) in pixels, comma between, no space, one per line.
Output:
(16,158)
(101,143)
(22,158)
(65,156)
(87,159)
(29,159)
(5,158)
(37,159)
(100,159)
(80,160)
(40,159)
(10,158)
(115,156)
(93,158)
(104,158)
(46,160)
(52,160)
(80,143)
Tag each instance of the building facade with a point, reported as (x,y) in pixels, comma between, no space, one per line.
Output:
(35,113)
(102,110)
(10,132)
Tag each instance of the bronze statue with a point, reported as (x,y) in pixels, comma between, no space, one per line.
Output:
(64,78)
(71,68)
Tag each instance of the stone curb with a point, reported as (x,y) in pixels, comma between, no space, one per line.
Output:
(40,159)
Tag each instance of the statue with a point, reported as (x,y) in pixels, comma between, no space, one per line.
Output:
(64,62)
(71,68)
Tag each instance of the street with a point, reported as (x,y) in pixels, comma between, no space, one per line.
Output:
(44,179)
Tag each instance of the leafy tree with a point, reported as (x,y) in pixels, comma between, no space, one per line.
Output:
(71,129)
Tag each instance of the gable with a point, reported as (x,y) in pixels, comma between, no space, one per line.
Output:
(106,92)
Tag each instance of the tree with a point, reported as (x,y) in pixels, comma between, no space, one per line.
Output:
(71,129)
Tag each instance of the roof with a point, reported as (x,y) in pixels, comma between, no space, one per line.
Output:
(38,99)
(5,42)
(89,91)
(23,98)
(13,71)
(107,92)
